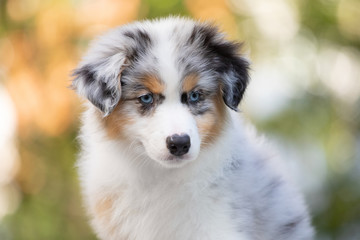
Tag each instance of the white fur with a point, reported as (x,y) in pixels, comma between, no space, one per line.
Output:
(161,203)
(216,192)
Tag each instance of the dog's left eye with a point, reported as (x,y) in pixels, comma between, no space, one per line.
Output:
(146,99)
(194,96)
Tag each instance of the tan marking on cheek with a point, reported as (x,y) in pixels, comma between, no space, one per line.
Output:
(116,123)
(211,124)
(153,83)
(190,82)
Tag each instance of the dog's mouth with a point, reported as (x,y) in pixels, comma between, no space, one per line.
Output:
(171,161)
(175,162)
(172,158)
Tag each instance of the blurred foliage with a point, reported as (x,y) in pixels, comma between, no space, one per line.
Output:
(50,207)
(316,41)
(322,18)
(161,8)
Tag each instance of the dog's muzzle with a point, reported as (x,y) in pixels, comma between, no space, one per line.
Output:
(178,145)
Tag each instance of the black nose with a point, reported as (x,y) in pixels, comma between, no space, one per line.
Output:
(178,145)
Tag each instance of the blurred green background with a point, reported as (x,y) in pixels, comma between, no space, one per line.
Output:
(304,95)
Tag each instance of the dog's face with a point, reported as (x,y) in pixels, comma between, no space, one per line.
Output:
(164,86)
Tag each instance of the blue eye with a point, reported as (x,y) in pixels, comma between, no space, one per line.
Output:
(194,96)
(146,99)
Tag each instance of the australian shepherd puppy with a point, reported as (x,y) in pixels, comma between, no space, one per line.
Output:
(165,154)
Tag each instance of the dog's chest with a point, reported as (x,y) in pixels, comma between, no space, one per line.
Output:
(171,213)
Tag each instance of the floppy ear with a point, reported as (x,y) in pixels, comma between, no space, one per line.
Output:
(231,67)
(99,81)
(234,76)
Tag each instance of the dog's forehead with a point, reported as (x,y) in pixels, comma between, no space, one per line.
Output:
(166,50)
(165,53)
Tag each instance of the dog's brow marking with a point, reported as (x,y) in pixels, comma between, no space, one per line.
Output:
(153,83)
(190,82)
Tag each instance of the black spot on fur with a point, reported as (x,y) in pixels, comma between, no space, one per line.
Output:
(234,165)
(87,74)
(142,43)
(130,34)
(193,35)
(106,91)
(184,98)
(288,228)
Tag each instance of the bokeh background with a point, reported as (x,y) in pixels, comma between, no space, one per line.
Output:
(304,95)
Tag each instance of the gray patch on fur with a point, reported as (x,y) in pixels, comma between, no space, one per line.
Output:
(272,186)
(98,78)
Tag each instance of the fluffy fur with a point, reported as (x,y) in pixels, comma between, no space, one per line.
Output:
(148,82)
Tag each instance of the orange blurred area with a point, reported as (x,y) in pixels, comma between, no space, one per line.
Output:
(38,59)
(217,11)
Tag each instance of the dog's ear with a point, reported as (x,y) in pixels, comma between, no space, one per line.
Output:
(99,81)
(231,67)
(234,74)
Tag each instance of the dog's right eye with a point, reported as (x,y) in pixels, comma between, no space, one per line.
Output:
(146,99)
(194,97)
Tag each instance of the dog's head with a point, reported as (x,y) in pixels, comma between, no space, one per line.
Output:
(165,85)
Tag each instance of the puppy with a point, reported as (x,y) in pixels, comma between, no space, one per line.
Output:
(165,154)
